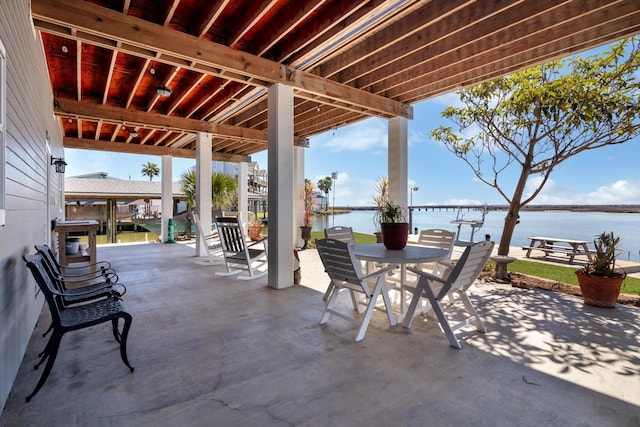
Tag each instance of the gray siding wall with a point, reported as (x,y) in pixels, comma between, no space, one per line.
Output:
(32,188)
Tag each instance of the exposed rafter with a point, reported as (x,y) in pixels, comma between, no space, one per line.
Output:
(81,110)
(87,22)
(90,144)
(346,61)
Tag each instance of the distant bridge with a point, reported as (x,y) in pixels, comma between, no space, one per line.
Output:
(576,208)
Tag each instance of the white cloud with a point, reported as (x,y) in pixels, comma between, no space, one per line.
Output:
(369,136)
(449,100)
(619,192)
(463,202)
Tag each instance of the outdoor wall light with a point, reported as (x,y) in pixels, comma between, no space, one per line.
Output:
(163,92)
(133,134)
(59,164)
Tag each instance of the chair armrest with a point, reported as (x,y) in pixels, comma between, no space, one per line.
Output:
(446,263)
(102,265)
(108,277)
(379,272)
(428,276)
(262,240)
(446,285)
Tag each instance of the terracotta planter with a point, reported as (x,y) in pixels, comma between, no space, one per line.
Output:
(600,291)
(395,235)
(255,232)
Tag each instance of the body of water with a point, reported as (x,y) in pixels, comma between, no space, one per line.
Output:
(565,224)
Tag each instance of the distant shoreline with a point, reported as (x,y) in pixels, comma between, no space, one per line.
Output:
(572,208)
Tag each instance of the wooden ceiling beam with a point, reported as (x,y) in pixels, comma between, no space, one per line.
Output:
(512,64)
(216,8)
(69,108)
(120,147)
(586,31)
(249,21)
(482,41)
(451,32)
(180,49)
(411,32)
(344,17)
(285,25)
(152,120)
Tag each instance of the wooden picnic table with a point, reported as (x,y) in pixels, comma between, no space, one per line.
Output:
(551,245)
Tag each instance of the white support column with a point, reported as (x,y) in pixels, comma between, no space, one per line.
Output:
(281,207)
(243,193)
(398,163)
(166,204)
(203,187)
(298,193)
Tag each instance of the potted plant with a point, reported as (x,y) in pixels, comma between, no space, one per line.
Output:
(379,200)
(307,219)
(254,227)
(394,227)
(599,280)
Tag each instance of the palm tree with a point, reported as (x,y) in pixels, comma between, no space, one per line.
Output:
(150,170)
(188,187)
(325,185)
(224,190)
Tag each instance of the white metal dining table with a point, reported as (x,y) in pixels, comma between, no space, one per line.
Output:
(411,254)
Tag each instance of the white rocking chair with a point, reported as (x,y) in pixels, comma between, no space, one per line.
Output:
(238,252)
(211,242)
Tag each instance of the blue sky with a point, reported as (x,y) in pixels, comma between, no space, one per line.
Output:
(608,175)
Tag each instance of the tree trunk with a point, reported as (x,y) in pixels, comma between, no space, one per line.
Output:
(187,225)
(513,214)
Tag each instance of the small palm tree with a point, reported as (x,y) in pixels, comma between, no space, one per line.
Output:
(224,190)
(188,187)
(150,170)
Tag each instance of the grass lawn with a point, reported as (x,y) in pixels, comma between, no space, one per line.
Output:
(558,273)
(631,285)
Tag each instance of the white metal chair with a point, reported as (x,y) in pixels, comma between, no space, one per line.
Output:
(211,242)
(238,252)
(344,270)
(435,288)
(344,234)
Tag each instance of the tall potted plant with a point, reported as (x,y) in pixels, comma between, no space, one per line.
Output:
(599,280)
(307,219)
(395,228)
(379,199)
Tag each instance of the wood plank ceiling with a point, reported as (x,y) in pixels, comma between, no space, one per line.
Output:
(346,60)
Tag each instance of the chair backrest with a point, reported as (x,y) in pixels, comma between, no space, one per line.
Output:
(52,267)
(36,264)
(49,258)
(340,263)
(231,234)
(469,266)
(437,238)
(344,234)
(203,235)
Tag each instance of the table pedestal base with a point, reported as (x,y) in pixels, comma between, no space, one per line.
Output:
(501,273)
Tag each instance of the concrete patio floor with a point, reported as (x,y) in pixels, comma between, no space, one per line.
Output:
(214,351)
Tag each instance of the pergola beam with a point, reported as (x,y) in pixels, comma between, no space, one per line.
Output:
(120,147)
(85,21)
(86,110)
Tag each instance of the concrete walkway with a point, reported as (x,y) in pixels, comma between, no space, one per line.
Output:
(213,351)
